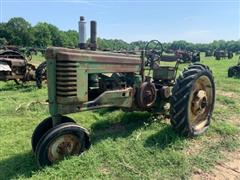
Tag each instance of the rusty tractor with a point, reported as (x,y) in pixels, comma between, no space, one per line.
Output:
(221,54)
(186,56)
(234,71)
(84,80)
(14,66)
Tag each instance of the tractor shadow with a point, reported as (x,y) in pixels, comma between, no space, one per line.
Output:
(18,165)
(28,87)
(120,126)
(165,138)
(128,123)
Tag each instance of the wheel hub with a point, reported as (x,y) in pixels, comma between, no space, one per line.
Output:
(199,102)
(63,146)
(146,95)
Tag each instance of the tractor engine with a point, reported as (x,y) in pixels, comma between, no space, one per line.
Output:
(98,83)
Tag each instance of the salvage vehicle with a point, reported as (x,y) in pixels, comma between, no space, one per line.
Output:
(222,54)
(187,56)
(14,66)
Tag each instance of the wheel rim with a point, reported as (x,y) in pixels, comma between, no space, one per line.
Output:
(200,103)
(149,95)
(63,146)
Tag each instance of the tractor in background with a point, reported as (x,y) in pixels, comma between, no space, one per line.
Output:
(222,54)
(15,66)
(187,56)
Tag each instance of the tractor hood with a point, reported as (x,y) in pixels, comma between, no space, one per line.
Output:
(13,62)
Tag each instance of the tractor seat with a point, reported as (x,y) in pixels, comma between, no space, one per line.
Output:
(167,73)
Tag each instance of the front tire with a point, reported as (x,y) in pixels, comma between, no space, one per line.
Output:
(193,100)
(61,141)
(43,127)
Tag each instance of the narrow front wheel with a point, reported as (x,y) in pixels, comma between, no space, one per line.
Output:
(61,141)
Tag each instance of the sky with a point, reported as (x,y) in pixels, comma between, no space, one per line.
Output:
(198,21)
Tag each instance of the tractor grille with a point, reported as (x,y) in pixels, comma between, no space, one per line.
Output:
(66,78)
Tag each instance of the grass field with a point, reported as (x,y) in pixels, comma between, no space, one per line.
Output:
(124,145)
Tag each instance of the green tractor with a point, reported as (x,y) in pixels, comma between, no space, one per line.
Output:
(81,80)
(84,80)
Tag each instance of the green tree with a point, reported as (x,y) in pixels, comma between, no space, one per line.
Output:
(42,35)
(19,30)
(4,33)
(3,42)
(72,38)
(55,35)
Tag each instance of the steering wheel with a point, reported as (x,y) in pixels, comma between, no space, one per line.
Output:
(153,51)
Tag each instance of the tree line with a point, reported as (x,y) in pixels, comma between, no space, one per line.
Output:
(17,31)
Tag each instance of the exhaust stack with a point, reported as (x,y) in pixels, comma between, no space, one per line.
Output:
(82,33)
(93,35)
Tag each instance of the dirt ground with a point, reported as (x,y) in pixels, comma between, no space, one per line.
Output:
(227,170)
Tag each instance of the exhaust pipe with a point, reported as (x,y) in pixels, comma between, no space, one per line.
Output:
(82,33)
(93,35)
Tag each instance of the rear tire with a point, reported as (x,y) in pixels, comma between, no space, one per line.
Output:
(192,102)
(41,74)
(233,71)
(61,141)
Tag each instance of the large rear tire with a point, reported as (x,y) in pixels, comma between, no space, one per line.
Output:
(41,74)
(233,71)
(193,99)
